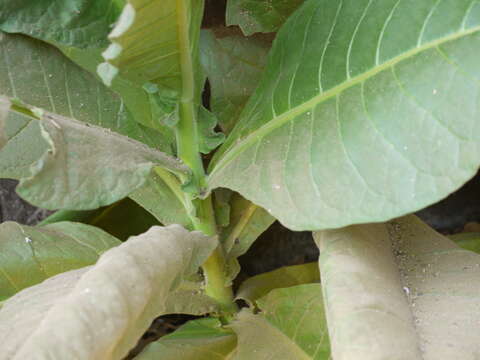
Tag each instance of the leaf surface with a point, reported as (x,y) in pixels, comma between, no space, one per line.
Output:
(233,65)
(142,106)
(288,276)
(259,15)
(367,110)
(162,57)
(247,222)
(122,219)
(85,166)
(81,23)
(148,43)
(291,326)
(467,241)
(202,339)
(162,196)
(39,75)
(29,255)
(399,291)
(106,307)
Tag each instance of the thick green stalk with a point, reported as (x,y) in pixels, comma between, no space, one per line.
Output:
(188,151)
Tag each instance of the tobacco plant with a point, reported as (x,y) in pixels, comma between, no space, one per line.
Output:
(359,113)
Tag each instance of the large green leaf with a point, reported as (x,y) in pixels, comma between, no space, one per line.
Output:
(368,109)
(260,15)
(288,276)
(291,326)
(233,65)
(399,291)
(38,74)
(100,312)
(81,23)
(202,339)
(29,255)
(83,166)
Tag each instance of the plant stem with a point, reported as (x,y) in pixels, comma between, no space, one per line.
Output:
(188,151)
(214,267)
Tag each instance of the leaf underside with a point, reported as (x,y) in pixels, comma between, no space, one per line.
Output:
(367,110)
(399,291)
(106,307)
(85,166)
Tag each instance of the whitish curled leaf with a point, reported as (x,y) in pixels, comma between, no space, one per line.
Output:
(81,23)
(233,65)
(29,255)
(100,312)
(202,339)
(367,110)
(259,15)
(399,291)
(288,276)
(84,166)
(291,326)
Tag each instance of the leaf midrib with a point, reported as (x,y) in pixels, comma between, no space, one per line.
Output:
(278,121)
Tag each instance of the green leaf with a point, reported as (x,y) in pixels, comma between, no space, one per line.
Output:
(163,197)
(97,21)
(163,58)
(122,219)
(81,23)
(39,75)
(288,276)
(29,255)
(209,139)
(259,15)
(106,307)
(202,339)
(140,103)
(467,241)
(147,46)
(247,222)
(233,65)
(367,110)
(399,288)
(291,326)
(85,166)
